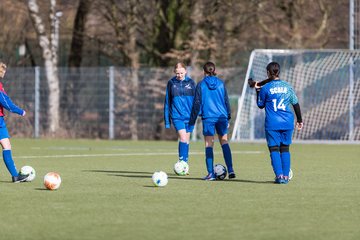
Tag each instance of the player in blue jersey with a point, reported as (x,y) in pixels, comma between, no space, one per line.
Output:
(179,97)
(212,102)
(276,96)
(5,102)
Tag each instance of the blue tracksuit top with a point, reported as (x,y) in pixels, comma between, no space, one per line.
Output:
(277,96)
(211,100)
(178,100)
(7,103)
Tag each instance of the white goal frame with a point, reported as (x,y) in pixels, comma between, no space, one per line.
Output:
(307,70)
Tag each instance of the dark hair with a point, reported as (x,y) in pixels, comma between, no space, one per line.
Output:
(209,69)
(273,69)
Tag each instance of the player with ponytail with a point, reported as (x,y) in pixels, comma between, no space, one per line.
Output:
(212,102)
(276,96)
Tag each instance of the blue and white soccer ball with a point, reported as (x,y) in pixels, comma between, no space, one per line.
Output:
(181,168)
(160,179)
(28,170)
(220,171)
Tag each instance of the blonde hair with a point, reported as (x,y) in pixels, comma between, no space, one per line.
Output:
(180,65)
(2,66)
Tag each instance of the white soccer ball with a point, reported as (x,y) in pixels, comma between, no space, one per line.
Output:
(28,170)
(220,171)
(160,179)
(52,181)
(181,168)
(291,174)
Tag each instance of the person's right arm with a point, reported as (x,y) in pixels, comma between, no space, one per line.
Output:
(196,105)
(167,103)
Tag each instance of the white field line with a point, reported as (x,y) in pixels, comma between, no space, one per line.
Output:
(125,154)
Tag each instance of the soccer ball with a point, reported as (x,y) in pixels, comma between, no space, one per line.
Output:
(181,168)
(160,179)
(28,170)
(220,171)
(52,180)
(291,174)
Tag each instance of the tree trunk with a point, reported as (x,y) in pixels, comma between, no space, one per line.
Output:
(49,54)
(54,96)
(77,42)
(196,18)
(72,85)
(133,55)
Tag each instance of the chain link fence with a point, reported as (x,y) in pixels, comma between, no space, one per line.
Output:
(102,102)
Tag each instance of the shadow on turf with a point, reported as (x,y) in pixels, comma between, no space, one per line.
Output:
(130,174)
(41,189)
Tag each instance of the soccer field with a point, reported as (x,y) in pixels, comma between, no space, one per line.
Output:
(107,193)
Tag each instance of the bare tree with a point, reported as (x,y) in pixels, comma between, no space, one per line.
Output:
(219,29)
(72,85)
(196,32)
(125,26)
(12,29)
(196,40)
(78,33)
(49,46)
(295,23)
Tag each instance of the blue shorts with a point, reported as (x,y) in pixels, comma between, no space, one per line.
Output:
(278,137)
(180,124)
(4,133)
(210,125)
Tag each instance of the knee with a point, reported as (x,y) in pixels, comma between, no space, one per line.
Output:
(5,144)
(274,149)
(284,148)
(223,142)
(183,138)
(209,142)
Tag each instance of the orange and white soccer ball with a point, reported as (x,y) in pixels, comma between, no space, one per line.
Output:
(52,180)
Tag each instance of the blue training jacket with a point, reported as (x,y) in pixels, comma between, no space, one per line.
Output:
(211,100)
(178,100)
(7,103)
(276,97)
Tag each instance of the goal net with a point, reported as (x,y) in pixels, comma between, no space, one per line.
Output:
(327,83)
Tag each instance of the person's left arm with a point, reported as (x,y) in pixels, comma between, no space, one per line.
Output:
(295,103)
(8,104)
(227,103)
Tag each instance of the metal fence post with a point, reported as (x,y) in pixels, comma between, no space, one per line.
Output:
(111,102)
(37,102)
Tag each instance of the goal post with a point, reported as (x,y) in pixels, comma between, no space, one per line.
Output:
(327,83)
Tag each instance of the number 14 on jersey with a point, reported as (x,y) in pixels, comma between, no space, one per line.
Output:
(279,105)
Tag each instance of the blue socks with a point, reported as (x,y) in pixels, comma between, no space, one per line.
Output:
(276,163)
(285,160)
(280,162)
(183,151)
(227,156)
(9,162)
(209,154)
(187,152)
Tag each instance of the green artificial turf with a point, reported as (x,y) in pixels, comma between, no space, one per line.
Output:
(107,193)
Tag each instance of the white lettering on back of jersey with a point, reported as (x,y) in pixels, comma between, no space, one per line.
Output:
(278,90)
